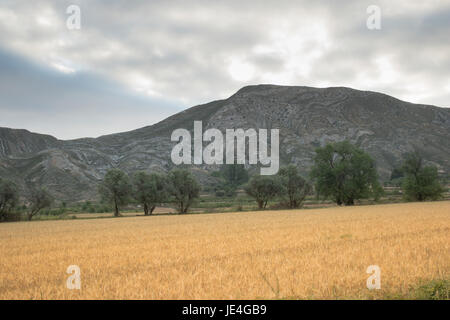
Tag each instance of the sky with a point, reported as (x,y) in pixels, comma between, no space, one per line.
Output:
(133,63)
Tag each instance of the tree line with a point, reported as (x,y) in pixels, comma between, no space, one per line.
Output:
(150,189)
(341,172)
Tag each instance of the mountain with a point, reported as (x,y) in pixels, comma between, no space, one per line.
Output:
(384,126)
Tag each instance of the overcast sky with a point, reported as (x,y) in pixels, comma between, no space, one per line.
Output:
(133,63)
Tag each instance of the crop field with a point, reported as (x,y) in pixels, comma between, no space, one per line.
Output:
(291,254)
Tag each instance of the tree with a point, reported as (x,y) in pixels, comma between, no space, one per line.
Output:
(345,173)
(9,197)
(234,174)
(231,176)
(420,183)
(184,189)
(150,190)
(115,189)
(263,189)
(38,199)
(296,187)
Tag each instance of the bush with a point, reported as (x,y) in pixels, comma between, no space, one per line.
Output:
(280,206)
(220,193)
(231,176)
(12,216)
(230,191)
(434,290)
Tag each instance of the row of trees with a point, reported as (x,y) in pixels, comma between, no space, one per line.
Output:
(288,185)
(36,199)
(341,172)
(149,189)
(181,188)
(344,173)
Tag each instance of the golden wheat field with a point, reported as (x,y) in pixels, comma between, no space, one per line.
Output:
(299,254)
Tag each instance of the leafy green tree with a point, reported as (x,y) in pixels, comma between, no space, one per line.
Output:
(234,174)
(38,199)
(150,190)
(115,189)
(345,173)
(421,182)
(295,186)
(184,188)
(264,189)
(9,197)
(231,177)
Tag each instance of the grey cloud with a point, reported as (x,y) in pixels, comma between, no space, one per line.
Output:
(184,48)
(70,105)
(415,43)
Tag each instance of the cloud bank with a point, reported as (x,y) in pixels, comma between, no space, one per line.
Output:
(133,63)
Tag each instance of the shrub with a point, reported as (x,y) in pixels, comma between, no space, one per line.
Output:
(220,193)
(434,290)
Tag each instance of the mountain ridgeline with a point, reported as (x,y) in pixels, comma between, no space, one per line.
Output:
(385,127)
